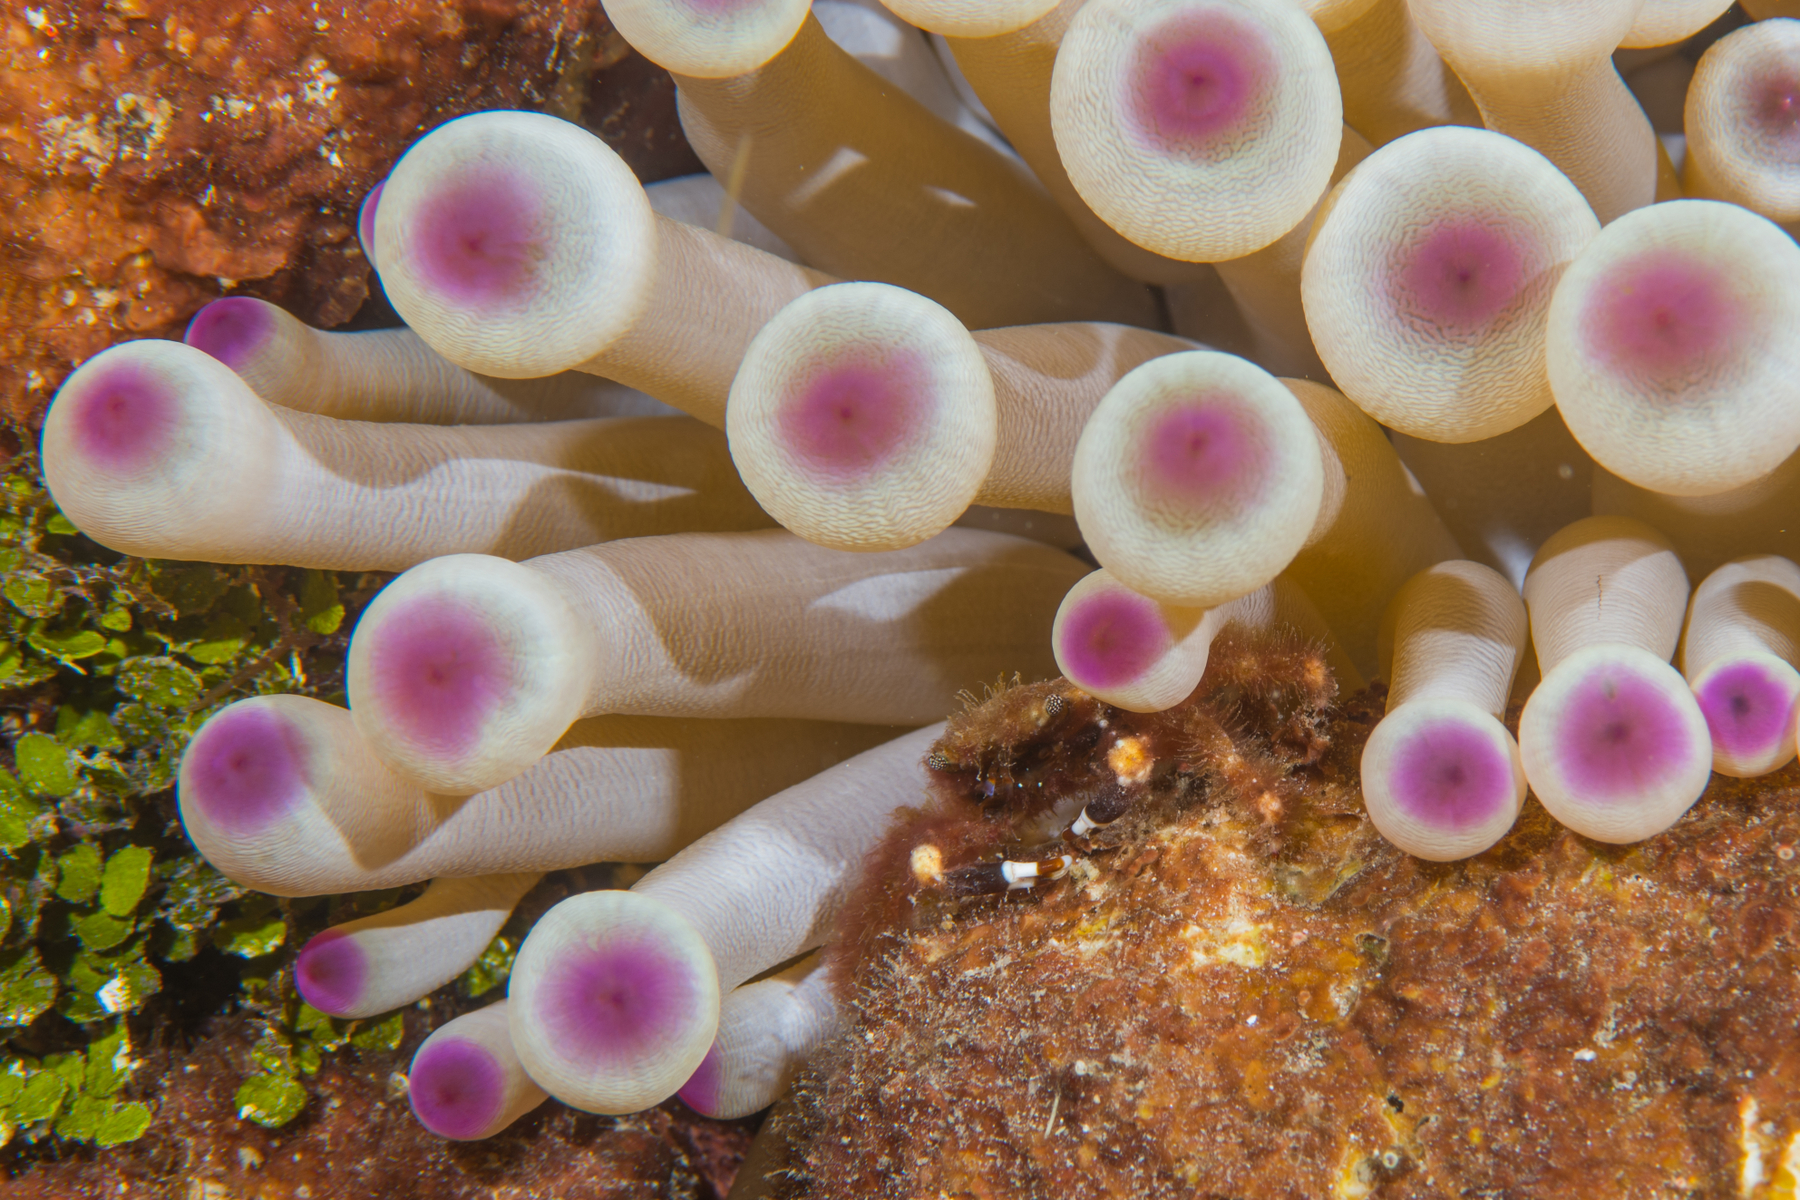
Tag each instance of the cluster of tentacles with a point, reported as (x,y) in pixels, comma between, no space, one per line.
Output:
(976,303)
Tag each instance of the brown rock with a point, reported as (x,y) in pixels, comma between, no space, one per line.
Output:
(155,154)
(1245,992)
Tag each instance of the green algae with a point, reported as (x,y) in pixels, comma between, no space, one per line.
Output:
(108,664)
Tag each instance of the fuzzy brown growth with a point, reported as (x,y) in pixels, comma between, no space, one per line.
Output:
(1276,684)
(1213,1012)
(1009,774)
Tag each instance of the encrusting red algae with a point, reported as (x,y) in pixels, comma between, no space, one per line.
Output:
(1241,990)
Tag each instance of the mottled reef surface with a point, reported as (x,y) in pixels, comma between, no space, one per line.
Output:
(361,1141)
(1244,992)
(356,1138)
(155,154)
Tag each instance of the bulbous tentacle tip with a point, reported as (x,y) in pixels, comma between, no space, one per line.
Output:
(1108,636)
(516,244)
(709,39)
(1614,743)
(1197,479)
(329,972)
(465,671)
(234,329)
(1742,119)
(244,771)
(1442,779)
(863,417)
(466,1082)
(1751,704)
(1670,349)
(150,447)
(119,413)
(1164,111)
(455,1088)
(1127,649)
(1428,278)
(614,1001)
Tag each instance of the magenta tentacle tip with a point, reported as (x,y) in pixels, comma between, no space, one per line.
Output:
(440,673)
(1442,778)
(330,971)
(244,770)
(614,1001)
(1749,708)
(1666,314)
(456,1088)
(701,1091)
(1775,109)
(231,329)
(1197,78)
(617,1003)
(478,240)
(365,221)
(1201,455)
(852,418)
(1620,735)
(1111,638)
(1451,776)
(1460,275)
(1614,743)
(124,415)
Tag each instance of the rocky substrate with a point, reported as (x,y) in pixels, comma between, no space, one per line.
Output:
(1244,992)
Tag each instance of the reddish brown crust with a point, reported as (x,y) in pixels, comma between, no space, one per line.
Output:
(1234,1004)
(1002,765)
(152,149)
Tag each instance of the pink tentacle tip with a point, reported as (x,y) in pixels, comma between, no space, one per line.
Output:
(330,972)
(456,1088)
(1774,109)
(480,239)
(1748,709)
(1459,275)
(1202,455)
(1621,737)
(123,415)
(850,419)
(618,1003)
(1662,314)
(1197,82)
(365,220)
(701,1091)
(440,672)
(232,329)
(1111,638)
(244,770)
(1451,777)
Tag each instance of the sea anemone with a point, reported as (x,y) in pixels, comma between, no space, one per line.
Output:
(599,649)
